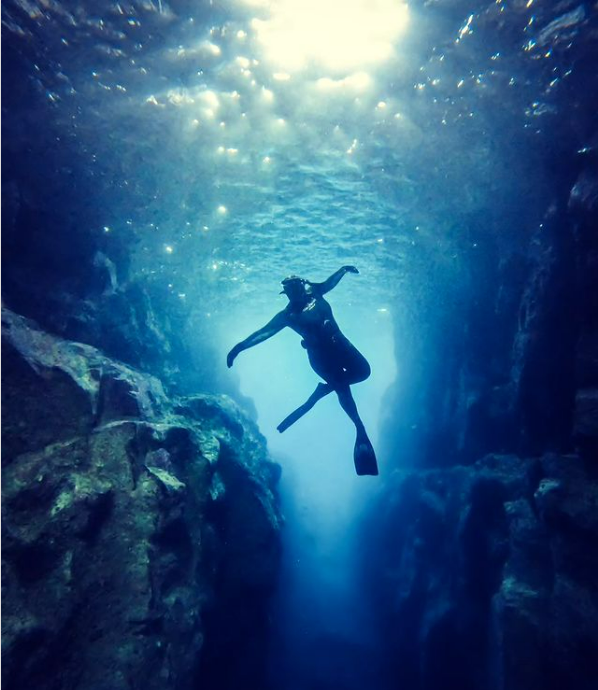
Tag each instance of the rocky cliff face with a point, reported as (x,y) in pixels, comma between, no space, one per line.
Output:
(75,280)
(85,292)
(505,360)
(487,576)
(485,570)
(133,526)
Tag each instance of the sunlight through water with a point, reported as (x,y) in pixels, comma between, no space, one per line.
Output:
(341,34)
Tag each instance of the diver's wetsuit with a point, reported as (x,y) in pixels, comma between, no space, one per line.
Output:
(330,353)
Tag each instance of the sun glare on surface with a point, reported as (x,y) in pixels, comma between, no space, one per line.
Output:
(338,35)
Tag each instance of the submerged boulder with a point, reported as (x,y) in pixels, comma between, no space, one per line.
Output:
(491,574)
(131,524)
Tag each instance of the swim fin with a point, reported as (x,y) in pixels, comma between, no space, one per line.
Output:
(364,457)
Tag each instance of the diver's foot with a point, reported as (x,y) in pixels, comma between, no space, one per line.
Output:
(365,457)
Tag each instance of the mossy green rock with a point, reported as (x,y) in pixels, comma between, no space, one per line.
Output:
(125,517)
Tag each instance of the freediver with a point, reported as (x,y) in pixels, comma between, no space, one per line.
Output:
(330,353)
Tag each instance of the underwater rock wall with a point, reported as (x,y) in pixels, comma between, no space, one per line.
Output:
(508,361)
(132,525)
(85,294)
(486,576)
(583,204)
(484,570)
(64,270)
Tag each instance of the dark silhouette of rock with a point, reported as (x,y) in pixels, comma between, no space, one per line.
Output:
(505,359)
(61,271)
(133,527)
(487,576)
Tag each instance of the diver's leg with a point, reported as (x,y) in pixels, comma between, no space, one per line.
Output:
(356,366)
(321,364)
(363,453)
(345,397)
(322,389)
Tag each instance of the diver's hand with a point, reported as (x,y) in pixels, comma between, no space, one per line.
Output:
(350,269)
(230,358)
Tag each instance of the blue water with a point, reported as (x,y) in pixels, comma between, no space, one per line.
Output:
(213,148)
(321,612)
(222,174)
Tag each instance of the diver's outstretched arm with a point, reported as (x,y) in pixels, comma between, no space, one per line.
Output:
(270,329)
(334,279)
